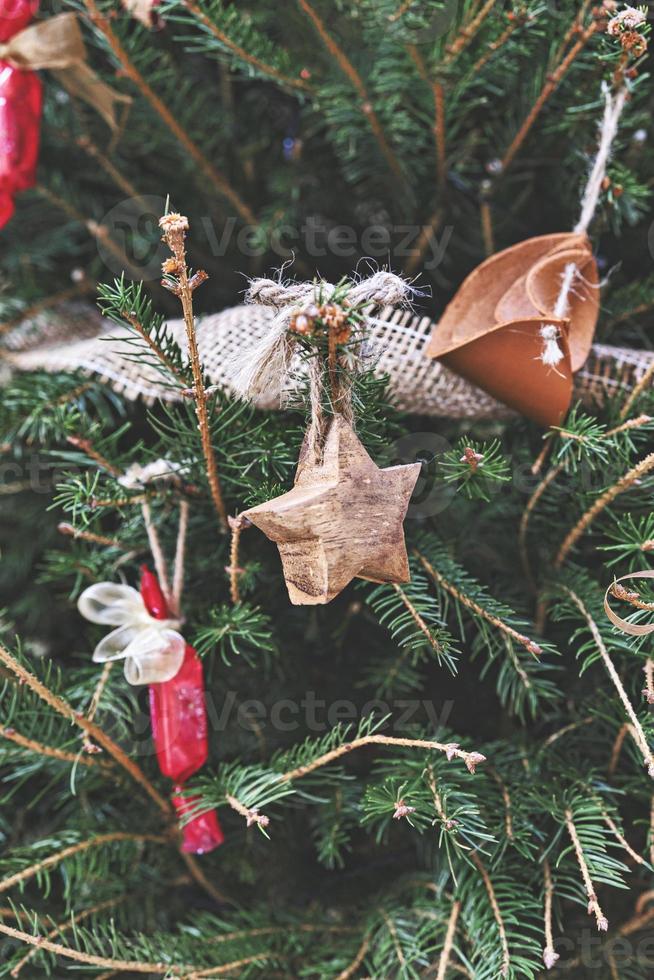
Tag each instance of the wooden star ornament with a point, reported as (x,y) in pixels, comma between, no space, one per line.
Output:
(342,520)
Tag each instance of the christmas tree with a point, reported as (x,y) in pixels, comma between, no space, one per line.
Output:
(326,756)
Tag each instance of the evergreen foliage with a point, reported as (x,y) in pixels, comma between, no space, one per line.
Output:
(456,772)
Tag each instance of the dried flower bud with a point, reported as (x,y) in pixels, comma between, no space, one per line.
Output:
(626,21)
(302,323)
(648,695)
(549,958)
(472,458)
(451,750)
(634,43)
(254,817)
(472,760)
(173,222)
(170,267)
(402,810)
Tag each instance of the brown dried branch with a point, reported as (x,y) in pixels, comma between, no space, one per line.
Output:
(593,904)
(174,228)
(638,732)
(96,734)
(623,484)
(478,610)
(417,618)
(490,891)
(241,53)
(218,180)
(85,845)
(353,76)
(467,34)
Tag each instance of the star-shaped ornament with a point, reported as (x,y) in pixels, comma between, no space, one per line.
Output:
(342,520)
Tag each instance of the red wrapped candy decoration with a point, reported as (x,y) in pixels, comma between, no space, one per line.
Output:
(20,112)
(179,727)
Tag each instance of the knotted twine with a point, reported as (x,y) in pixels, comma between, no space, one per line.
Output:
(264,370)
(613,106)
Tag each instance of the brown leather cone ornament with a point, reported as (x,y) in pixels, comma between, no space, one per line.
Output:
(490,333)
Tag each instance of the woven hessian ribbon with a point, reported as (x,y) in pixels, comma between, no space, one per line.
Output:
(57,44)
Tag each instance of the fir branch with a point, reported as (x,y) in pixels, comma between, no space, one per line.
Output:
(90,728)
(218,180)
(31,745)
(643,385)
(268,70)
(624,483)
(639,734)
(54,859)
(451,750)
(467,33)
(67,924)
(356,81)
(81,535)
(554,79)
(593,904)
(446,952)
(97,231)
(550,956)
(82,288)
(497,914)
(477,609)
(351,970)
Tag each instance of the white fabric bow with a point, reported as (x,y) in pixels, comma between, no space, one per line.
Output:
(152,649)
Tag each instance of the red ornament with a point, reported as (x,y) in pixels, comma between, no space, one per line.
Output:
(179,726)
(20,112)
(202,834)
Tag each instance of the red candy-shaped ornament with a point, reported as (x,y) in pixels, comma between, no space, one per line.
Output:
(179,727)
(20,112)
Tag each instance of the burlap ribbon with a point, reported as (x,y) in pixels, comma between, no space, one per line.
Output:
(57,44)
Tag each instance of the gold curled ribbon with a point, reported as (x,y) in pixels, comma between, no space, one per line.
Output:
(632,628)
(57,44)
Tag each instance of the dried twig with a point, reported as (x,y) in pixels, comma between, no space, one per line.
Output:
(638,732)
(446,952)
(97,734)
(469,603)
(78,848)
(352,74)
(174,228)
(490,891)
(623,484)
(218,180)
(593,904)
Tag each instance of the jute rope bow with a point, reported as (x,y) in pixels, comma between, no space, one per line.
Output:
(267,366)
(57,44)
